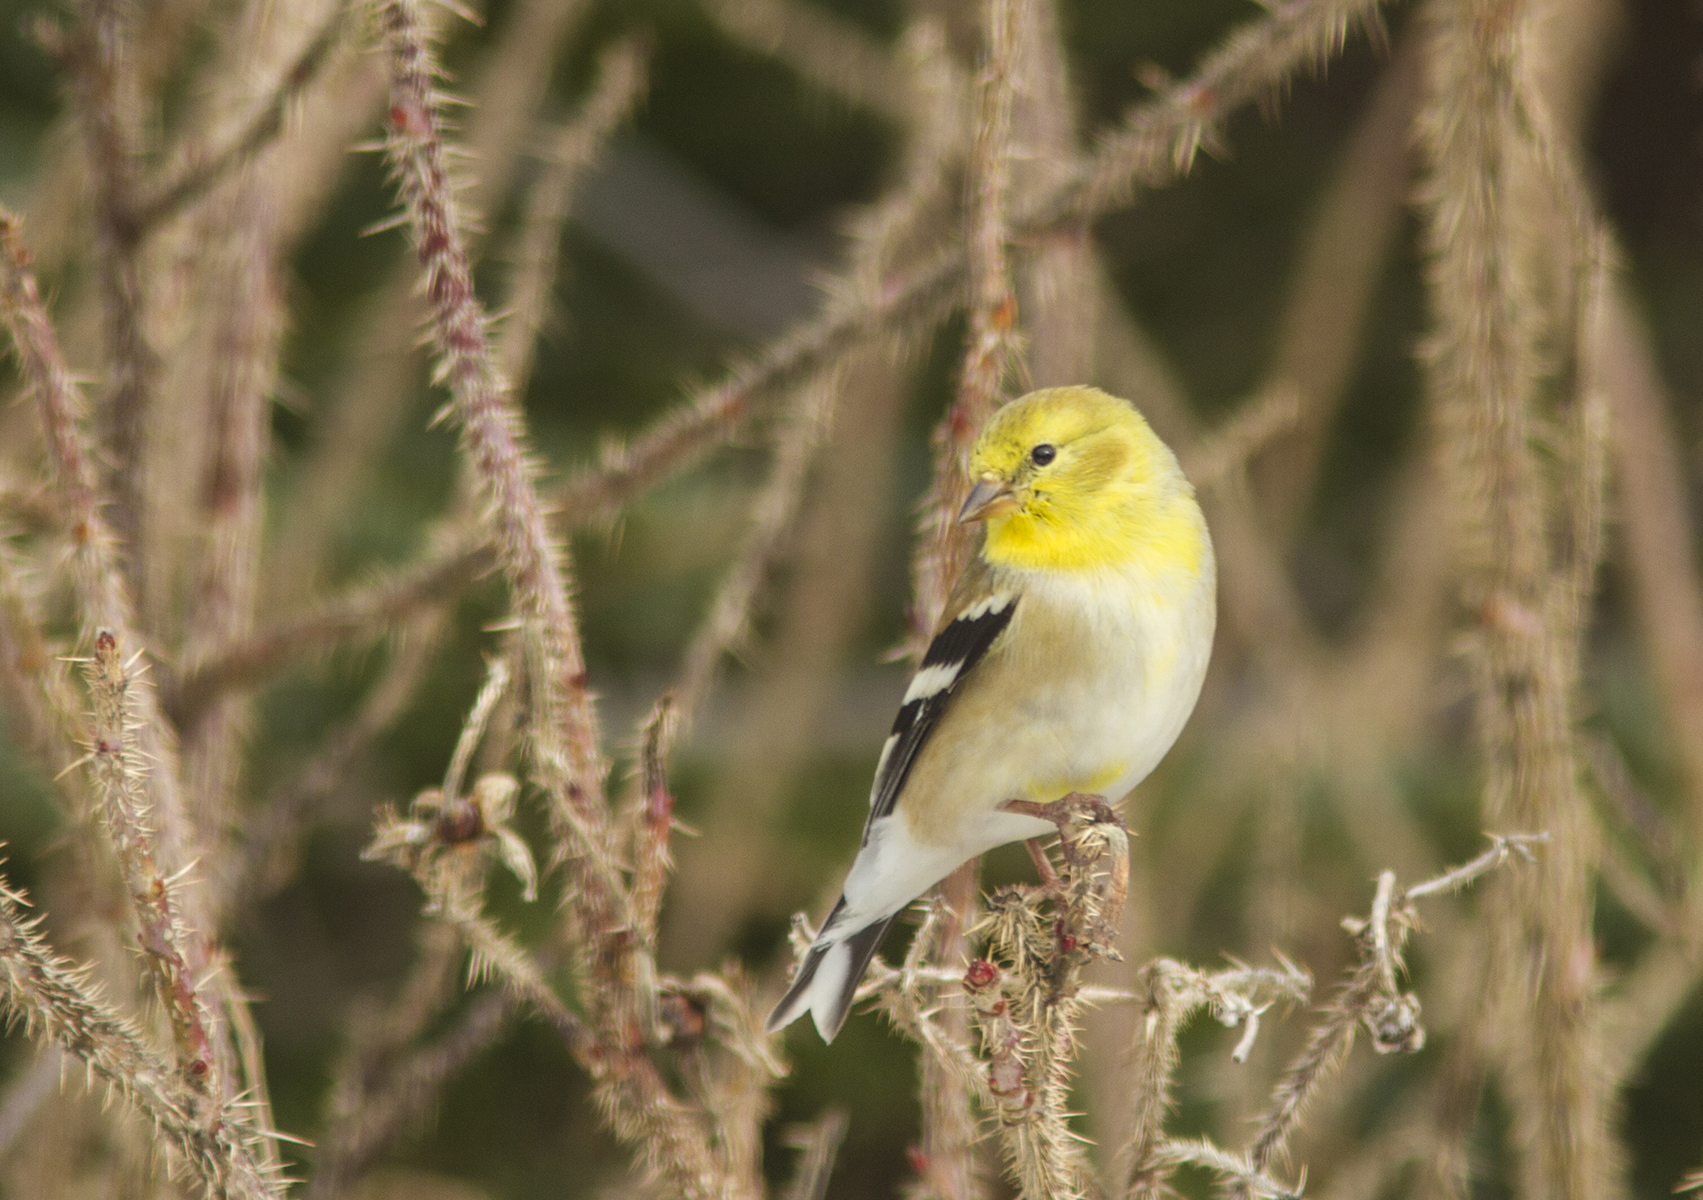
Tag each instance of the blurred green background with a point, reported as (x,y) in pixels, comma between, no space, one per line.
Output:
(772,166)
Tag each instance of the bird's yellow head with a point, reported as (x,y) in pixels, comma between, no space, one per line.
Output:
(1074,479)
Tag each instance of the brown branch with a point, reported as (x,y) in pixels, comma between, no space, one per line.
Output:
(1158,141)
(1509,285)
(109,104)
(1252,63)
(120,790)
(1029,1005)
(245,293)
(828,51)
(510,82)
(1334,283)
(620,82)
(405,1095)
(103,598)
(818,1143)
(202,172)
(269,852)
(991,345)
(363,613)
(1167,997)
(1658,531)
(722,873)
(774,515)
(1055,290)
(102,591)
(44,714)
(947,1161)
(564,754)
(1370,994)
(54,1001)
(1249,1178)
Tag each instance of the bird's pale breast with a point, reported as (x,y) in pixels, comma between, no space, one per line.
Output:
(1108,672)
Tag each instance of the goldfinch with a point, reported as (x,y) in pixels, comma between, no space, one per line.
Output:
(1070,654)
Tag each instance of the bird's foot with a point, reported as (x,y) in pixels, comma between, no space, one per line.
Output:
(1091,905)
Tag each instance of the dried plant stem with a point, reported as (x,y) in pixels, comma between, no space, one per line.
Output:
(53,998)
(942,544)
(1168,995)
(1158,141)
(496,954)
(511,80)
(721,875)
(908,997)
(949,1166)
(269,851)
(1054,280)
(1371,994)
(653,825)
(104,600)
(362,613)
(491,425)
(817,1143)
(619,84)
(1657,527)
(1330,299)
(1216,456)
(1029,1006)
(564,753)
(774,515)
(1251,64)
(1489,152)
(124,809)
(203,171)
(830,52)
(563,729)
(1329,1042)
(372,1115)
(1249,1180)
(109,105)
(44,715)
(246,293)
(105,604)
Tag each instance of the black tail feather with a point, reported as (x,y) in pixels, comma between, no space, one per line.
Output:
(860,947)
(852,953)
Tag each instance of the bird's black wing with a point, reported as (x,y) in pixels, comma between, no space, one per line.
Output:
(953,653)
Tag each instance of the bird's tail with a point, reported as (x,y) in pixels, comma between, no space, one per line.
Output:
(827,979)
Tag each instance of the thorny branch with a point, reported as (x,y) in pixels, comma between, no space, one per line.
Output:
(1371,996)
(991,345)
(1155,146)
(55,1000)
(673,1137)
(124,809)
(680,1071)
(571,149)
(201,172)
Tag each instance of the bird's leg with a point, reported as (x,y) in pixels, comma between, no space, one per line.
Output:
(1088,829)
(1044,867)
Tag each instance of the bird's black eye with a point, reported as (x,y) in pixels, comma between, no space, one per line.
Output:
(1043,454)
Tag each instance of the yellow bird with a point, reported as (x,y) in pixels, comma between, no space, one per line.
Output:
(1070,655)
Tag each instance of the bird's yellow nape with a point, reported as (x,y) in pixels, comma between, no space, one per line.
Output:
(1090,485)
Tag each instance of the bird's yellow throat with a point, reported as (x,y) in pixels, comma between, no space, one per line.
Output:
(1165,539)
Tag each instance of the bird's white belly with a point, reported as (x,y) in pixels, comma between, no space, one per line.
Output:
(1036,728)
(1026,725)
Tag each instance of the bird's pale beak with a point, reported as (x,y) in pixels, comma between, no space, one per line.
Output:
(991,497)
